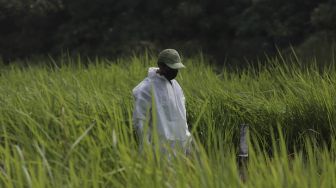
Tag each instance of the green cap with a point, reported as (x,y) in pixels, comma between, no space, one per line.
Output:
(171,58)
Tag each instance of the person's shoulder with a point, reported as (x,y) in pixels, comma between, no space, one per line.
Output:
(142,86)
(177,87)
(175,82)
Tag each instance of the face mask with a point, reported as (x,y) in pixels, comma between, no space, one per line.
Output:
(171,74)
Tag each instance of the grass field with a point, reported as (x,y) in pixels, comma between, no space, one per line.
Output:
(64,124)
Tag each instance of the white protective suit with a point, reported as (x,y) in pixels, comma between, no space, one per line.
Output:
(171,122)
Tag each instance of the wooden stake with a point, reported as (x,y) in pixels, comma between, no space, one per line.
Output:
(243,152)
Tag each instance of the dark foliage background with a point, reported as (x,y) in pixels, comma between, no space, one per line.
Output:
(228,31)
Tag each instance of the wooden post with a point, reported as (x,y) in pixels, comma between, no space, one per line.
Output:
(243,152)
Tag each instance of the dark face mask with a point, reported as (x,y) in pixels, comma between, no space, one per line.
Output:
(171,73)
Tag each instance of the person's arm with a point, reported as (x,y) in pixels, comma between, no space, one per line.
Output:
(184,104)
(142,104)
(189,143)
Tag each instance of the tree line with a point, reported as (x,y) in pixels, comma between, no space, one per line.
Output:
(223,29)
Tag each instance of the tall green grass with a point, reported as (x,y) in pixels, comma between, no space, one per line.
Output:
(65,124)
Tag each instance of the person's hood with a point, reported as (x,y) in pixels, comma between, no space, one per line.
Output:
(152,71)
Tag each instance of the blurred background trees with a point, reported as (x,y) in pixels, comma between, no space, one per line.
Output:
(226,30)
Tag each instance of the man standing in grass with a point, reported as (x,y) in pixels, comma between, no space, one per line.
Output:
(160,105)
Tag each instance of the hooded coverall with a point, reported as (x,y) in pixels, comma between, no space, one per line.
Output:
(168,98)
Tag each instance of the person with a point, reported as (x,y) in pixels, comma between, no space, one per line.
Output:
(160,95)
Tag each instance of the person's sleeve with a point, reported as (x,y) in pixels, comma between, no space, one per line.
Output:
(184,103)
(142,104)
